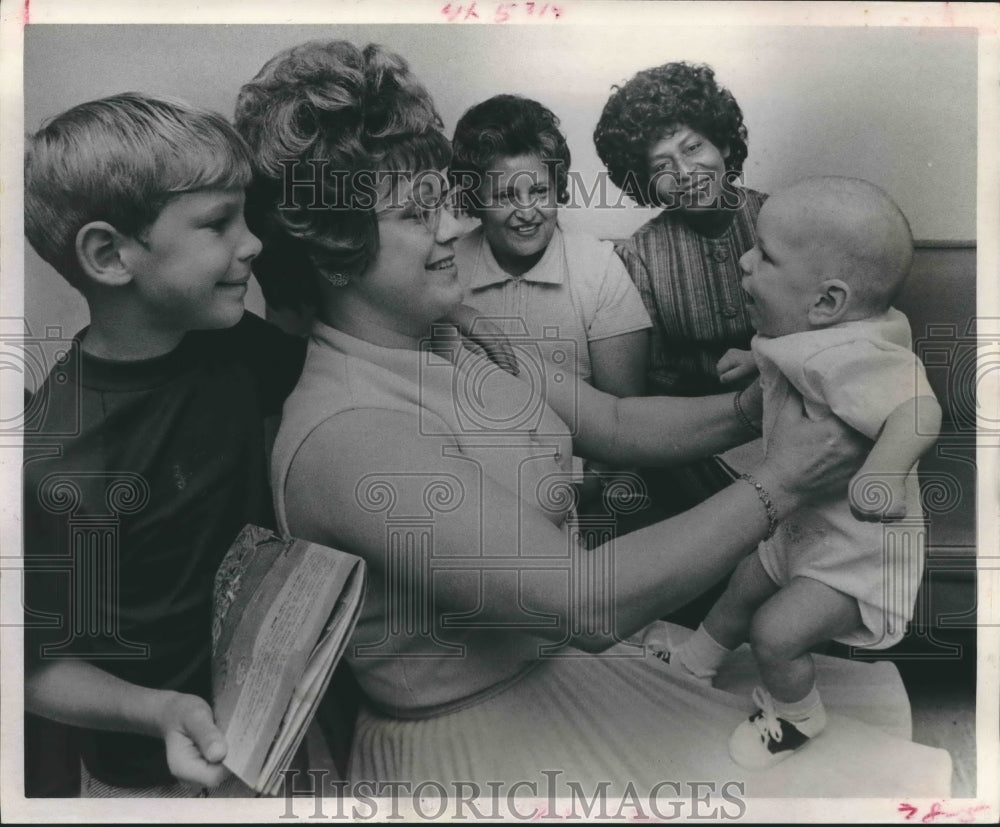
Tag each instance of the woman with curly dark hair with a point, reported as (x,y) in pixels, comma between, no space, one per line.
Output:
(528,273)
(673,137)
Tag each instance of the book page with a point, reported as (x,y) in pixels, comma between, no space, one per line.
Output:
(308,691)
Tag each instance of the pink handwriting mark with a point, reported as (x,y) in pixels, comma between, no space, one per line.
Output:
(965,815)
(452,11)
(503,12)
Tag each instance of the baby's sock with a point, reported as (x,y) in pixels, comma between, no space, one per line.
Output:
(701,654)
(808,714)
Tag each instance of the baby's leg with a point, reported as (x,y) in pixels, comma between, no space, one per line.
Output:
(729,620)
(800,616)
(790,713)
(725,627)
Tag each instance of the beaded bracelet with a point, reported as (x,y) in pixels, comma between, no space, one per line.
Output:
(741,415)
(765,498)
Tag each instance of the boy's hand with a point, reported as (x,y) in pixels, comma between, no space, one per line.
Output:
(195,745)
(480,330)
(877,498)
(735,365)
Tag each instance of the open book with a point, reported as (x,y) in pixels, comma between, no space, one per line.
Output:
(284,611)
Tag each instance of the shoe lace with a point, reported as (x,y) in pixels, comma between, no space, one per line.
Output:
(659,646)
(766,720)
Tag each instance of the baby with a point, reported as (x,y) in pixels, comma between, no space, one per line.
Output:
(831,255)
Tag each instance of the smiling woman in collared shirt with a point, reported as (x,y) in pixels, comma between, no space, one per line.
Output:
(521,265)
(534,279)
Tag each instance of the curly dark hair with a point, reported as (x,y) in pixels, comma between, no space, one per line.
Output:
(506,126)
(651,106)
(332,110)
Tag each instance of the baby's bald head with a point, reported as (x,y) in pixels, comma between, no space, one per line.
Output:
(855,231)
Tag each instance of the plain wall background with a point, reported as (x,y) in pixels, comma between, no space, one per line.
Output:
(895,106)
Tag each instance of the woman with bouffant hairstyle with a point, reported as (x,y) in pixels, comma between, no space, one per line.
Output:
(476,660)
(369,118)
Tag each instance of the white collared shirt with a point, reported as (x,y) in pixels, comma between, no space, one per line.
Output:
(579,291)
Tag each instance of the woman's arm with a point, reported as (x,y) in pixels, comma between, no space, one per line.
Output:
(618,328)
(647,431)
(619,363)
(655,570)
(79,693)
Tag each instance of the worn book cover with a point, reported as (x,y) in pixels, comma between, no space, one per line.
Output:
(284,611)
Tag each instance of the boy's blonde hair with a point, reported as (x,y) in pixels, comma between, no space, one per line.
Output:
(121,159)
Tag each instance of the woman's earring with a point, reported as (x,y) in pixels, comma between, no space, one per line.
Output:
(336,279)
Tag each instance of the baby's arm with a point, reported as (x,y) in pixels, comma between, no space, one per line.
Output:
(878,490)
(79,693)
(736,365)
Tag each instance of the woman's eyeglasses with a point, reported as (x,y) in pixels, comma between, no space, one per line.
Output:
(424,207)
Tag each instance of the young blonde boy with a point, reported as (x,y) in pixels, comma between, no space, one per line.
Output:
(831,255)
(154,422)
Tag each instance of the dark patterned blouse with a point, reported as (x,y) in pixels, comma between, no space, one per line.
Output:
(690,285)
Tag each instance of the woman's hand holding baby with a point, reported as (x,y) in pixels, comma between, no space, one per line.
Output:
(809,459)
(749,404)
